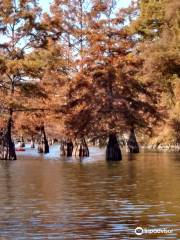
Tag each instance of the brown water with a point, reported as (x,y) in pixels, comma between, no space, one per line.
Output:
(49,198)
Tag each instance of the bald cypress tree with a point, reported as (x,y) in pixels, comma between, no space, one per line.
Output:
(107,98)
(24,31)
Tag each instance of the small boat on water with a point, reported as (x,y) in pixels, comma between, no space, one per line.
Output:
(20,149)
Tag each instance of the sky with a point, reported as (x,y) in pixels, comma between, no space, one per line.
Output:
(45,3)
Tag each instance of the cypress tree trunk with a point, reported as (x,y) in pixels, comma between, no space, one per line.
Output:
(66,148)
(32,143)
(43,146)
(132,142)
(22,143)
(113,152)
(45,141)
(62,149)
(51,141)
(7,146)
(40,146)
(69,148)
(82,149)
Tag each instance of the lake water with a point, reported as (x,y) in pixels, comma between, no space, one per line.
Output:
(53,198)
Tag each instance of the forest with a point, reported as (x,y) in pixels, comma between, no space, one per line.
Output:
(89,72)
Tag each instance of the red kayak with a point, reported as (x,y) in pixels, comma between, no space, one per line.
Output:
(20,150)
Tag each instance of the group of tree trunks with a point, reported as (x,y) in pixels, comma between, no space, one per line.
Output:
(80,148)
(87,69)
(67,148)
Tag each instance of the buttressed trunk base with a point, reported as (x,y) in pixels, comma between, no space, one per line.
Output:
(69,147)
(22,143)
(132,143)
(66,148)
(7,146)
(82,149)
(43,146)
(113,152)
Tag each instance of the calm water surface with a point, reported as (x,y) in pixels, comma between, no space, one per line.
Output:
(53,198)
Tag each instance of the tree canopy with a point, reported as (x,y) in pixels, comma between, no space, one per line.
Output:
(90,69)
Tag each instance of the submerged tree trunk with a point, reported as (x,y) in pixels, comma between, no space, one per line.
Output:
(40,147)
(62,148)
(66,148)
(22,143)
(51,141)
(69,148)
(113,152)
(43,146)
(82,149)
(7,146)
(132,142)
(32,143)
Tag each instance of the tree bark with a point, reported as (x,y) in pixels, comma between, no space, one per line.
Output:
(7,146)
(83,149)
(132,142)
(66,148)
(113,152)
(22,143)
(69,148)
(43,146)
(32,143)
(62,148)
